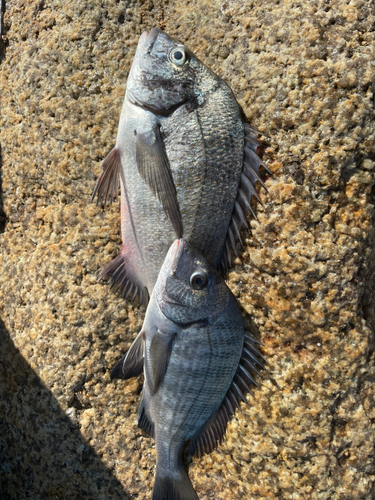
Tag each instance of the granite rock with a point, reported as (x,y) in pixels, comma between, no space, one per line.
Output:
(304,74)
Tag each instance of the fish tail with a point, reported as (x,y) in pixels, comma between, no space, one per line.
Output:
(173,485)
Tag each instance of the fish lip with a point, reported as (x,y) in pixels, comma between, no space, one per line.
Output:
(143,38)
(174,256)
(180,247)
(151,38)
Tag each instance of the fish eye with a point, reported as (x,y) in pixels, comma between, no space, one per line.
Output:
(178,56)
(198,280)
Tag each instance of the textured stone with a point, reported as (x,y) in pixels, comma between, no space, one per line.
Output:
(303,73)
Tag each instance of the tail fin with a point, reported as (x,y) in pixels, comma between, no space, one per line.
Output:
(171,485)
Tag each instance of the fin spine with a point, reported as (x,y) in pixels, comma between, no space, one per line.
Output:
(214,430)
(246,190)
(116,269)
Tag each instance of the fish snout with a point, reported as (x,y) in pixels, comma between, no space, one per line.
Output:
(143,38)
(151,38)
(176,253)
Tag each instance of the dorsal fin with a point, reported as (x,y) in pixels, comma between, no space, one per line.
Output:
(213,432)
(249,177)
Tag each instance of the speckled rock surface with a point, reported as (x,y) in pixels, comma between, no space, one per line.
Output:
(304,75)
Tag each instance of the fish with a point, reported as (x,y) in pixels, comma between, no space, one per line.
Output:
(198,364)
(186,161)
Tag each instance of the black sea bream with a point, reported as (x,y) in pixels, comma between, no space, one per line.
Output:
(186,162)
(198,365)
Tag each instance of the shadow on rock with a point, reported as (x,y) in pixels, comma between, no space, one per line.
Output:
(42,454)
(3,38)
(2,55)
(2,213)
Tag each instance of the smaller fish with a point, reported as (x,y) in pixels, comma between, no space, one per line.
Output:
(198,364)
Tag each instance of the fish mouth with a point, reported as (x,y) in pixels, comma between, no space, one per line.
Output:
(173,259)
(151,38)
(147,40)
(157,111)
(178,251)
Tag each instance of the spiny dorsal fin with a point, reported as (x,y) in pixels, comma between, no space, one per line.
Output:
(106,187)
(249,177)
(131,364)
(153,166)
(213,432)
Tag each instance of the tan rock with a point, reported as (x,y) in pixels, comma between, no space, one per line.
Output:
(304,74)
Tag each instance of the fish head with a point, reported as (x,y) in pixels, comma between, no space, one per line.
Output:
(189,289)
(165,74)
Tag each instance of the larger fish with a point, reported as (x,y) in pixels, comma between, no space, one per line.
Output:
(199,363)
(186,161)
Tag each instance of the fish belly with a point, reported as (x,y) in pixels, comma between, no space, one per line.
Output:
(146,231)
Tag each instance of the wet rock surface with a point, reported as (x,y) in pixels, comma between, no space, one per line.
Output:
(303,73)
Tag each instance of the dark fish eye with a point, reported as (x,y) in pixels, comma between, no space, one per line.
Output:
(198,280)
(178,56)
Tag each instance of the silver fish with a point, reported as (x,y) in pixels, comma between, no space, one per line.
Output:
(186,161)
(198,365)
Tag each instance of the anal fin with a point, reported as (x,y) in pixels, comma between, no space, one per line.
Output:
(107,185)
(144,421)
(116,269)
(214,431)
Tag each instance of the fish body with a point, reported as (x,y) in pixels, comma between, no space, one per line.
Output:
(186,162)
(198,364)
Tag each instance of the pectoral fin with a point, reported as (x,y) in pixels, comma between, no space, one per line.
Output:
(131,365)
(106,187)
(153,166)
(158,359)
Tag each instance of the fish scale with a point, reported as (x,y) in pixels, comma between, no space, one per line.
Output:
(222,173)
